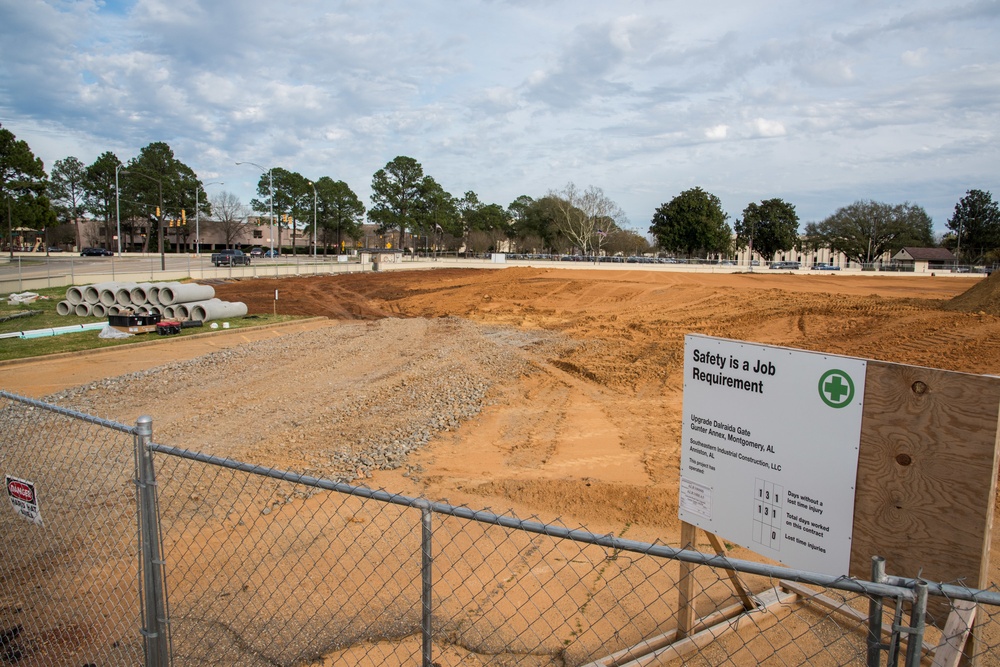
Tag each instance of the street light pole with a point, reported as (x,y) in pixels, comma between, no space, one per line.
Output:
(197,228)
(118,213)
(10,228)
(314,217)
(270,198)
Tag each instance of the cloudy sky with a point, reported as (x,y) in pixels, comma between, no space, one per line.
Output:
(819,103)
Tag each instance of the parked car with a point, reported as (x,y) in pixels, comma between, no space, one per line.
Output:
(272,253)
(788,266)
(96,252)
(825,267)
(256,252)
(53,248)
(233,257)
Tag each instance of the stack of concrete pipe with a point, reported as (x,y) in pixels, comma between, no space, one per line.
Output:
(171,300)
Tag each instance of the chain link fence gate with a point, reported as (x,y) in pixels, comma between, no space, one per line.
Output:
(267,567)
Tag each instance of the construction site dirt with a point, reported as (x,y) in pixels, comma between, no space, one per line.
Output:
(578,375)
(590,432)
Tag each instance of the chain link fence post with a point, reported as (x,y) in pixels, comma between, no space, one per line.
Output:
(154,628)
(918,614)
(875,607)
(427,580)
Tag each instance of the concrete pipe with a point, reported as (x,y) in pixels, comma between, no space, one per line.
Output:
(153,293)
(185,293)
(92,293)
(155,309)
(82,309)
(168,312)
(65,307)
(216,309)
(123,295)
(114,310)
(99,310)
(74,295)
(138,294)
(187,308)
(109,295)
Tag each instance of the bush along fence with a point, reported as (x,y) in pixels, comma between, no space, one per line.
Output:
(121,551)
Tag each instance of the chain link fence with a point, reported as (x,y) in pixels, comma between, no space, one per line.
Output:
(69,572)
(267,567)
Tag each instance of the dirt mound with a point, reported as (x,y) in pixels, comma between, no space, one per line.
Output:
(327,296)
(983,297)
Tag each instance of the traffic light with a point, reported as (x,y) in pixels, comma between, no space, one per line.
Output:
(184,219)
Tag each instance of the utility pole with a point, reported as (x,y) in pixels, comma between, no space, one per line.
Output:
(313,186)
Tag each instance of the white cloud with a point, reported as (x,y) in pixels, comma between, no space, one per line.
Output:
(763,127)
(717,132)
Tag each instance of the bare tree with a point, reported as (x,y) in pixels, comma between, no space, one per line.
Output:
(626,242)
(586,219)
(478,241)
(230,214)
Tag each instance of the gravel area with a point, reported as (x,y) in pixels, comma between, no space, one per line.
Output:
(336,403)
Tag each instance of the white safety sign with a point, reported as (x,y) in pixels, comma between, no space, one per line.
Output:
(770,449)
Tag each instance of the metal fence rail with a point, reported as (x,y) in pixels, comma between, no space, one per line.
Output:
(268,567)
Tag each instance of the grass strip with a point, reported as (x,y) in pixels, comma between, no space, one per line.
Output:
(19,317)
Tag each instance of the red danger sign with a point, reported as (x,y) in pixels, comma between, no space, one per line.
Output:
(20,490)
(22,497)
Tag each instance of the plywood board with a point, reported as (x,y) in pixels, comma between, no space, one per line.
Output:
(927,473)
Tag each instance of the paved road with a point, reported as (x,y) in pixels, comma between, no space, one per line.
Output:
(34,271)
(30,266)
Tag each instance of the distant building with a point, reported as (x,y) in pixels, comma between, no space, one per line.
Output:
(925,259)
(806,257)
(255,231)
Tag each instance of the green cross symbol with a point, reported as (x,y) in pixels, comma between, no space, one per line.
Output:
(836,388)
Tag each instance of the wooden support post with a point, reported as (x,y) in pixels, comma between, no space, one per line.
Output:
(685,586)
(955,634)
(741,590)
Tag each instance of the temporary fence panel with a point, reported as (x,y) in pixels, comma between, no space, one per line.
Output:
(266,572)
(69,584)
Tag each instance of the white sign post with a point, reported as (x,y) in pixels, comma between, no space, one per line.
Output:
(770,449)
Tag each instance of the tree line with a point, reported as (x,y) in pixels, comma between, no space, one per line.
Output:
(411,209)
(693,223)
